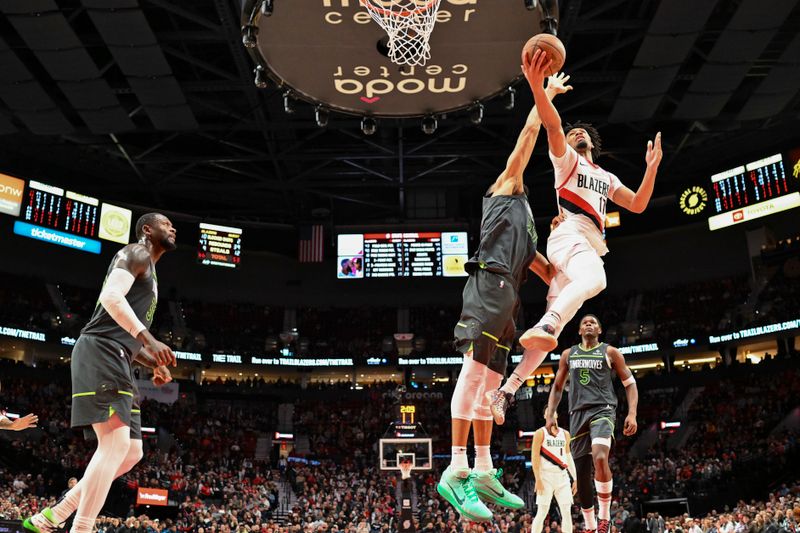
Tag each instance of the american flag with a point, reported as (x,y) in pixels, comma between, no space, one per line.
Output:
(310,244)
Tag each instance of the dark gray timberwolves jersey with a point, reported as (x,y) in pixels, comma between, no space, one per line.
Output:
(142,298)
(590,378)
(508,237)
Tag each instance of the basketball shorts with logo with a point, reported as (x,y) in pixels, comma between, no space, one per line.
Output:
(487,324)
(564,243)
(586,424)
(102,382)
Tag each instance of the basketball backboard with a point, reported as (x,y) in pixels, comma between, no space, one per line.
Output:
(418,451)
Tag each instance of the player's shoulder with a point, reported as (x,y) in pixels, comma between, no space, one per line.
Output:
(134,254)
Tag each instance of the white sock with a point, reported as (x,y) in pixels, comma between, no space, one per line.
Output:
(589,520)
(531,360)
(459,458)
(483,458)
(604,502)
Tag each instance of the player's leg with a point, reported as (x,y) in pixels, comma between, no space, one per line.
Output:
(601,432)
(486,477)
(563,496)
(587,278)
(584,474)
(456,484)
(543,501)
(531,359)
(113,443)
(48,518)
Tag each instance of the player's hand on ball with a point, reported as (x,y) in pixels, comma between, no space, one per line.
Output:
(630,426)
(558,83)
(161,376)
(654,152)
(536,68)
(25,422)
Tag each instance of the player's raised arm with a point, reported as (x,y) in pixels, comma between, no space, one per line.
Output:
(548,114)
(631,391)
(510,180)
(636,202)
(556,391)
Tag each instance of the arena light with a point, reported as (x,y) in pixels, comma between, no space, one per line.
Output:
(429,125)
(369,126)
(288,103)
(266,8)
(669,425)
(283,436)
(260,77)
(525,434)
(146,429)
(249,34)
(476,114)
(12,416)
(510,98)
(321,115)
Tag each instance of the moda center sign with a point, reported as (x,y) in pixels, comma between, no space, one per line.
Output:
(329,52)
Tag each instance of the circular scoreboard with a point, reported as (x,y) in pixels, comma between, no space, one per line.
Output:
(332,53)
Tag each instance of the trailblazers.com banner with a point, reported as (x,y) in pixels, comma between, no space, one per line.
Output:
(152,496)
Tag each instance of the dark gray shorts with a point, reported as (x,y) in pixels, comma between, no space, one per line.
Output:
(487,324)
(136,426)
(587,424)
(102,381)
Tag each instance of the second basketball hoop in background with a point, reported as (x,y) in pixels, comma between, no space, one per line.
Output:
(408,24)
(551,45)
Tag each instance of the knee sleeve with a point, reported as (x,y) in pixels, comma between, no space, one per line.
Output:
(585,474)
(481,410)
(471,383)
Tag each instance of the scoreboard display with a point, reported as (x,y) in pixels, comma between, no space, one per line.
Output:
(219,246)
(752,191)
(401,254)
(71,212)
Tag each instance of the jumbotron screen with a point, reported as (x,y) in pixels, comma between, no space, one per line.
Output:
(751,191)
(401,254)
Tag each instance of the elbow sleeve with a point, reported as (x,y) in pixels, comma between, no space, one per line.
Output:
(112,298)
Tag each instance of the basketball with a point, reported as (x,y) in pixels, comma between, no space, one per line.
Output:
(551,45)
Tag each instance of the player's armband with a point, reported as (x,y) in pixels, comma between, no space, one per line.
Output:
(629,381)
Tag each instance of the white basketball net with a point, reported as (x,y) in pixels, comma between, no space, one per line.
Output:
(405,470)
(409,24)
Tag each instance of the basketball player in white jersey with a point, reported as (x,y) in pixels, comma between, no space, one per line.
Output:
(554,471)
(575,247)
(584,188)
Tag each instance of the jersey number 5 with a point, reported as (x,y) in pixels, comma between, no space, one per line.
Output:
(584,376)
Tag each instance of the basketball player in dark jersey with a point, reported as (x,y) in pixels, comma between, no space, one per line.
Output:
(103,387)
(486,329)
(590,367)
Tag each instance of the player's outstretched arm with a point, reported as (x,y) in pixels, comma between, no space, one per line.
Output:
(636,202)
(550,118)
(510,180)
(556,391)
(631,391)
(24,422)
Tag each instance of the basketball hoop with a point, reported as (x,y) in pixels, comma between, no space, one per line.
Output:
(405,469)
(409,24)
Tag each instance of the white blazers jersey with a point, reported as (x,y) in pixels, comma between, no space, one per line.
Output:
(583,191)
(554,452)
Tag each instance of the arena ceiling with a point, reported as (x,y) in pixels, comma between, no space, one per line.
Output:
(152,103)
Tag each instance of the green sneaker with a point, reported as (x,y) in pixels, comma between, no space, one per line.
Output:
(456,487)
(489,489)
(43,522)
